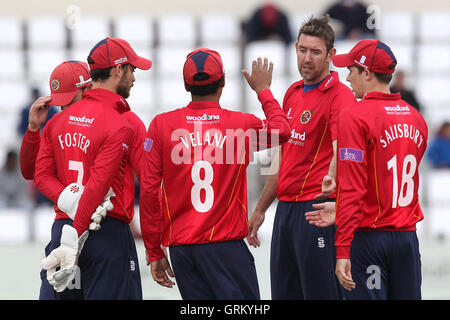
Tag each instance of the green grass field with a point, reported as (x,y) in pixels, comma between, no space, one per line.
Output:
(19,271)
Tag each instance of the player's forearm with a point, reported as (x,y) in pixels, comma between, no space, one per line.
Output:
(269,192)
(28,153)
(275,116)
(45,177)
(151,220)
(332,169)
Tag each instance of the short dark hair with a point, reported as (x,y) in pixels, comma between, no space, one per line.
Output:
(206,89)
(102,74)
(381,77)
(319,27)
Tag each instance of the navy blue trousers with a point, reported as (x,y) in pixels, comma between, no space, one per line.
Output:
(385,265)
(212,271)
(302,257)
(109,267)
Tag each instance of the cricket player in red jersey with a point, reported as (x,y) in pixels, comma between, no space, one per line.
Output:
(88,147)
(302,255)
(198,155)
(68,81)
(381,141)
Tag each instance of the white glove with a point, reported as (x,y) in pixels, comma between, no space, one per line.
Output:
(100,213)
(65,257)
(69,198)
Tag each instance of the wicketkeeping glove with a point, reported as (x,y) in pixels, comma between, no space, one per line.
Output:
(65,257)
(68,203)
(100,213)
(69,198)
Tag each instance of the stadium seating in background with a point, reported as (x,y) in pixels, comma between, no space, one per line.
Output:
(433,59)
(397,27)
(296,20)
(139,31)
(42,62)
(177,31)
(232,93)
(13,68)
(171,94)
(274,50)
(89,31)
(46,32)
(12,33)
(438,201)
(434,27)
(220,29)
(142,98)
(405,54)
(43,220)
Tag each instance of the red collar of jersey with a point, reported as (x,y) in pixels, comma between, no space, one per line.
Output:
(382,96)
(203,104)
(327,83)
(121,105)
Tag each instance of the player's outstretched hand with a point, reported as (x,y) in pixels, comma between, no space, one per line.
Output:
(343,273)
(328,186)
(324,216)
(161,271)
(38,112)
(256,220)
(261,77)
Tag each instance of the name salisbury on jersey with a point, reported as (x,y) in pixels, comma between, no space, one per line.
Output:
(401,130)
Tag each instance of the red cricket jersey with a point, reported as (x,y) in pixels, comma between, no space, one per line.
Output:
(30,148)
(197,156)
(87,143)
(28,153)
(312,118)
(381,141)
(134,160)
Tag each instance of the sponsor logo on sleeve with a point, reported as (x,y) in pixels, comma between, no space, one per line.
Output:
(350,154)
(148,144)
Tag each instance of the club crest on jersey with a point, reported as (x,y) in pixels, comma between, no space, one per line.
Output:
(55,84)
(305,117)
